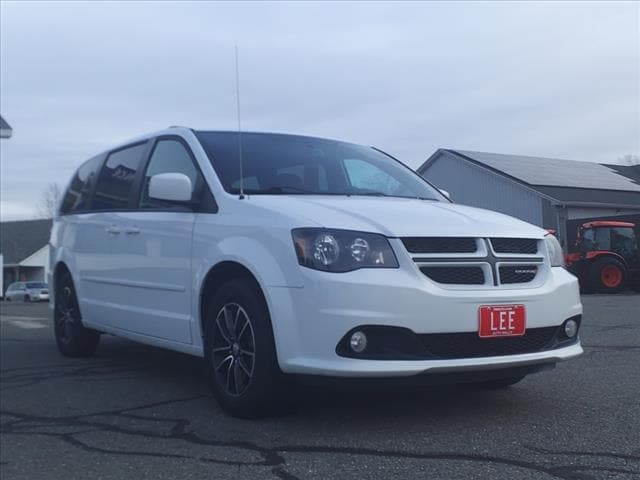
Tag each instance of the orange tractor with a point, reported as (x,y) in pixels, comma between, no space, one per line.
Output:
(606,256)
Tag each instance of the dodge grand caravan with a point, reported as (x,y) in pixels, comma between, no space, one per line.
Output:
(308,258)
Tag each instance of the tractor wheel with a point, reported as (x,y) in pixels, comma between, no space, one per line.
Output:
(607,275)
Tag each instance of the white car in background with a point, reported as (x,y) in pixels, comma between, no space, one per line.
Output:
(310,257)
(27,292)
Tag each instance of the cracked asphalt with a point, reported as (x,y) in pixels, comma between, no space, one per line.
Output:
(139,412)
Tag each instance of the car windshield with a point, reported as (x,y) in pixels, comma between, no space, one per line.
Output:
(277,164)
(36,285)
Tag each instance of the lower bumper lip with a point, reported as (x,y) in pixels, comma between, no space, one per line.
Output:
(341,367)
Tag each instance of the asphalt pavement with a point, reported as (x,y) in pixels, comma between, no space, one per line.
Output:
(140,412)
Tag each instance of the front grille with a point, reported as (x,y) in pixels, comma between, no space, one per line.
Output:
(469,345)
(515,245)
(477,261)
(440,244)
(455,275)
(518,273)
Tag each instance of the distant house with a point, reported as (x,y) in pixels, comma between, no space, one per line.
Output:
(24,246)
(5,130)
(548,192)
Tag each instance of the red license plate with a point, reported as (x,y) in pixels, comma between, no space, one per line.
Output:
(501,321)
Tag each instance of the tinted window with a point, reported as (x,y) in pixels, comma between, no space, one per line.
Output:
(116,178)
(77,196)
(277,164)
(169,156)
(602,240)
(623,240)
(36,285)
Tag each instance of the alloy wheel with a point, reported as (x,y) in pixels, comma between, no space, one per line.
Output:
(233,349)
(65,309)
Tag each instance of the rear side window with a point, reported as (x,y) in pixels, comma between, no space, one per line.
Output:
(116,178)
(77,195)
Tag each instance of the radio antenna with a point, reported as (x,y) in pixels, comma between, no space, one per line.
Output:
(239,126)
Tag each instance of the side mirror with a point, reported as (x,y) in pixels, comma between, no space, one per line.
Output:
(445,193)
(173,187)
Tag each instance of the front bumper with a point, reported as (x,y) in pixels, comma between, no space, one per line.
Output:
(309,322)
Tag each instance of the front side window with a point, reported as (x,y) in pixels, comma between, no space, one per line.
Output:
(290,164)
(602,239)
(76,198)
(32,285)
(169,156)
(115,182)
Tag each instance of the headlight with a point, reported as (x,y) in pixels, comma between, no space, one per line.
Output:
(342,250)
(556,256)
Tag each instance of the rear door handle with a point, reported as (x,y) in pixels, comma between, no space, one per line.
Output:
(113,230)
(132,230)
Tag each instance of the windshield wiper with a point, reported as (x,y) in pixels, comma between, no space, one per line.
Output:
(287,189)
(369,194)
(374,193)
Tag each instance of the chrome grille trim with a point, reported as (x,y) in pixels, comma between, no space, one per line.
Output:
(490,262)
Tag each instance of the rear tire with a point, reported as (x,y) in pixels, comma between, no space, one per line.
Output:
(607,275)
(72,337)
(240,353)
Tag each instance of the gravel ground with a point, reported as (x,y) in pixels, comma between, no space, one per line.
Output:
(134,411)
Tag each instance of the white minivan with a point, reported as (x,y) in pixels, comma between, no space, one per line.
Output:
(283,257)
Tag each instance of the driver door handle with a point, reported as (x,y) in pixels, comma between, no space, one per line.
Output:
(113,230)
(132,230)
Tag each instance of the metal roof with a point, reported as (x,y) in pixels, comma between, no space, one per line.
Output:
(553,172)
(20,239)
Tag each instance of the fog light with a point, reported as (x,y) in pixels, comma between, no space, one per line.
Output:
(358,342)
(570,328)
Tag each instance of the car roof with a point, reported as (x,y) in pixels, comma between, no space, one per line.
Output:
(180,130)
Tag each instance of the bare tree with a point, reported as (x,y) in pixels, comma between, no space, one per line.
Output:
(49,199)
(630,159)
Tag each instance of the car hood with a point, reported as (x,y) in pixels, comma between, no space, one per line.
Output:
(397,217)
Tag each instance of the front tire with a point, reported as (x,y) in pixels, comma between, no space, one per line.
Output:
(607,275)
(240,353)
(72,337)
